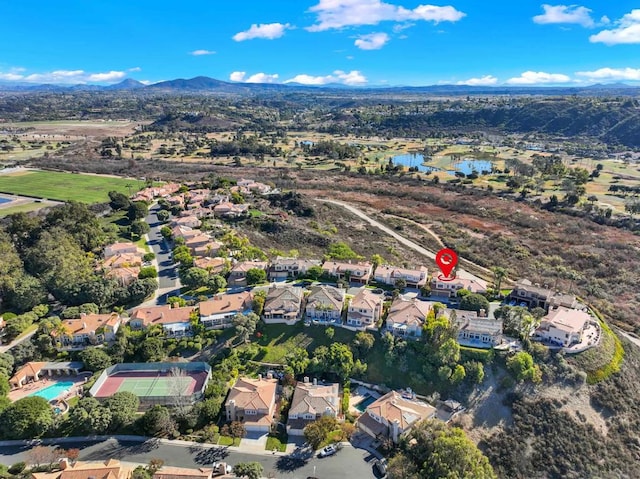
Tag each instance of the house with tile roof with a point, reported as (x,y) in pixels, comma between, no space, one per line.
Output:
(124,276)
(110,469)
(88,329)
(393,415)
(176,322)
(35,370)
(122,248)
(123,260)
(218,312)
(407,316)
(282,305)
(238,274)
(190,221)
(311,401)
(355,272)
(475,330)
(365,309)
(253,403)
(184,232)
(563,326)
(213,265)
(324,304)
(449,289)
(172,472)
(282,269)
(387,274)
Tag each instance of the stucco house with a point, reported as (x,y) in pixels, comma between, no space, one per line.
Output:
(282,305)
(356,272)
(238,274)
(563,326)
(365,309)
(393,415)
(324,304)
(285,268)
(253,403)
(218,312)
(449,289)
(176,322)
(88,329)
(122,248)
(407,316)
(415,278)
(477,331)
(311,401)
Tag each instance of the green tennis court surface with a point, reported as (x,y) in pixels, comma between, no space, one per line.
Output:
(159,386)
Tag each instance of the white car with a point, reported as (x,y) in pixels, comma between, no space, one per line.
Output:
(328,451)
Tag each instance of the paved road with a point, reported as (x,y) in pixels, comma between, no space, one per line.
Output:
(357,463)
(15,342)
(408,243)
(167,271)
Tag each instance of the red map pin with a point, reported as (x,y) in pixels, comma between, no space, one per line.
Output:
(446,259)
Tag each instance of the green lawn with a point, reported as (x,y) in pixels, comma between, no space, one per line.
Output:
(229,441)
(277,443)
(66,186)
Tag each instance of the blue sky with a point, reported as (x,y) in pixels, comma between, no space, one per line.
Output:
(355,42)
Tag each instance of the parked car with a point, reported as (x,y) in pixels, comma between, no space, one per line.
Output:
(328,451)
(380,467)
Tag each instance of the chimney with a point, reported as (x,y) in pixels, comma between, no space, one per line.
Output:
(482,313)
(395,430)
(306,379)
(315,381)
(269,376)
(84,325)
(260,377)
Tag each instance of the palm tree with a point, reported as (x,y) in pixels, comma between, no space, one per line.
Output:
(499,274)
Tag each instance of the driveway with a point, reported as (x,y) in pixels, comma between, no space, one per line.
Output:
(302,464)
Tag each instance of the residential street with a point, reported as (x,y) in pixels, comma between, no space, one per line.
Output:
(167,271)
(358,462)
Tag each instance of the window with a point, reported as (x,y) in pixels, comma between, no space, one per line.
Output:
(250,412)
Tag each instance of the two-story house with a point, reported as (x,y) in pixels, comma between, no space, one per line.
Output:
(282,269)
(356,272)
(477,331)
(365,309)
(176,322)
(121,248)
(219,311)
(282,305)
(310,402)
(190,221)
(563,326)
(449,289)
(324,304)
(253,403)
(414,278)
(238,274)
(212,265)
(407,317)
(393,415)
(88,329)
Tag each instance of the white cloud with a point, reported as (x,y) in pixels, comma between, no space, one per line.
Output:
(343,13)
(565,14)
(626,31)
(268,31)
(63,76)
(481,81)
(237,76)
(255,78)
(372,41)
(106,77)
(354,77)
(612,74)
(533,78)
(197,53)
(135,69)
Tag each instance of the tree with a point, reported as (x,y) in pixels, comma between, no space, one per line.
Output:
(41,455)
(118,201)
(95,359)
(435,450)
(632,206)
(163,216)
(317,432)
(298,360)
(377,260)
(340,360)
(245,325)
(363,342)
(195,278)
(157,422)
(330,332)
(123,406)
(499,274)
(400,283)
(139,228)
(342,250)
(152,350)
(27,418)
(314,273)
(256,276)
(236,429)
(147,272)
(474,302)
(137,210)
(155,464)
(250,470)
(523,368)
(259,298)
(217,283)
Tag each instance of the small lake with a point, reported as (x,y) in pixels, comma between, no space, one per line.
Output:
(466,166)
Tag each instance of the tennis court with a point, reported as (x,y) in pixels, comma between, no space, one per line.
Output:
(147,384)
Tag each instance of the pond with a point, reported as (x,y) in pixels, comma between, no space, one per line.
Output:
(466,166)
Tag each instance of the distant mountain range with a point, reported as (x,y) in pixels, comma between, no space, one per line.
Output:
(203,84)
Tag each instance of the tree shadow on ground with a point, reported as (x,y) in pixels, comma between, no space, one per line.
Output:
(208,455)
(298,458)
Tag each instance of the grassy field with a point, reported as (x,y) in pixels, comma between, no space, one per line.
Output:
(23,208)
(66,186)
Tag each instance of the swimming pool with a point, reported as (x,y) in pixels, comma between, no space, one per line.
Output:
(4,200)
(362,405)
(53,391)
